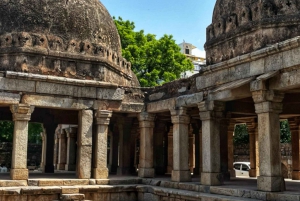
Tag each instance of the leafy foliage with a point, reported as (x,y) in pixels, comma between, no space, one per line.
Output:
(7,130)
(241,135)
(153,61)
(285,133)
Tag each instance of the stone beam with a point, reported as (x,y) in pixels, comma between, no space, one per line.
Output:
(9,98)
(231,94)
(285,81)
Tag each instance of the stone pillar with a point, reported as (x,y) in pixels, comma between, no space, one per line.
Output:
(100,171)
(146,121)
(62,149)
(230,132)
(71,148)
(267,107)
(196,170)
(43,155)
(110,155)
(210,115)
(84,144)
(170,151)
(21,116)
(253,132)
(191,150)
(181,170)
(124,125)
(294,127)
(56,147)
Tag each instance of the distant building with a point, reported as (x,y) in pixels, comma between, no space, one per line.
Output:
(193,53)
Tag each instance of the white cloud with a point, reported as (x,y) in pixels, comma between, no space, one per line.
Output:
(199,53)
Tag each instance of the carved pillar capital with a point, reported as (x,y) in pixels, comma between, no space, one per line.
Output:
(179,116)
(103,117)
(146,120)
(211,109)
(21,112)
(260,96)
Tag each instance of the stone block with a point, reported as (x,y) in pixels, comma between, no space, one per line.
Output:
(11,191)
(42,197)
(181,175)
(224,191)
(244,193)
(163,105)
(9,98)
(259,195)
(14,198)
(282,197)
(146,172)
(110,94)
(100,173)
(69,190)
(32,182)
(17,85)
(156,96)
(151,197)
(189,99)
(270,184)
(51,182)
(13,183)
(74,182)
(274,62)
(70,197)
(211,179)
(257,67)
(291,58)
(57,102)
(19,174)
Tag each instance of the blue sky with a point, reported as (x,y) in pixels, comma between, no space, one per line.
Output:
(185,20)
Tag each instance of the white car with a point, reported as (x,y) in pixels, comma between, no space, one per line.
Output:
(241,169)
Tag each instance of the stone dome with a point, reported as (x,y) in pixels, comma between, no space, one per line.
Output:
(66,38)
(242,26)
(85,20)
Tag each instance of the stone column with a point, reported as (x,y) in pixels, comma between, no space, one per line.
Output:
(43,155)
(21,116)
(124,125)
(267,107)
(191,150)
(146,121)
(210,115)
(294,127)
(181,170)
(110,163)
(100,171)
(55,154)
(71,148)
(230,133)
(170,151)
(62,149)
(84,144)
(253,132)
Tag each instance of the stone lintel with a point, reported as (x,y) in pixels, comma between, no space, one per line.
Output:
(103,117)
(161,106)
(9,98)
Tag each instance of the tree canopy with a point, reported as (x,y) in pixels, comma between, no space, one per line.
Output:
(153,61)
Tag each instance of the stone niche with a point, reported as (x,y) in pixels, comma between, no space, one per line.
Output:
(240,27)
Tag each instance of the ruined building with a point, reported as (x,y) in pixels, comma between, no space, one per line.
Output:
(61,64)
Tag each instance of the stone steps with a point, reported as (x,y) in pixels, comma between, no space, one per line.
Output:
(72,197)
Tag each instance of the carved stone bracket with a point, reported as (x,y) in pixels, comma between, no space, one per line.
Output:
(103,117)
(211,109)
(21,112)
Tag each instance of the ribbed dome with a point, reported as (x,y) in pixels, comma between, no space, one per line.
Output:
(67,19)
(242,26)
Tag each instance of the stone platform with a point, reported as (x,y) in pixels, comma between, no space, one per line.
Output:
(61,186)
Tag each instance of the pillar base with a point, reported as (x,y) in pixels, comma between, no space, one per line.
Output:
(70,167)
(252,173)
(123,171)
(61,166)
(181,175)
(211,179)
(146,172)
(296,175)
(100,173)
(270,184)
(19,174)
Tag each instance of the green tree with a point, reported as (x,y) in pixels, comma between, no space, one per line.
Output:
(285,133)
(153,61)
(241,135)
(7,130)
